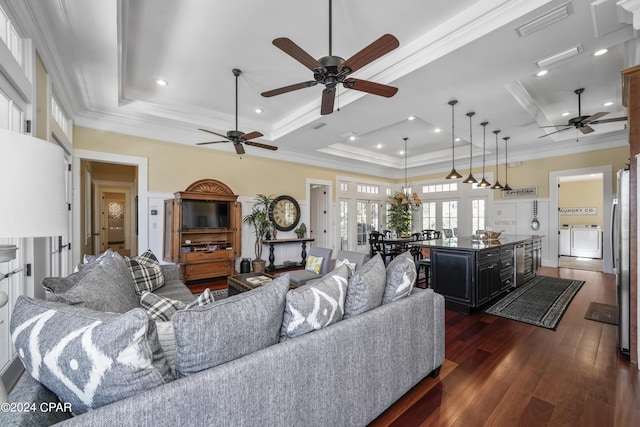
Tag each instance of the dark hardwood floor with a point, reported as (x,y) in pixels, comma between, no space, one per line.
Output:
(500,372)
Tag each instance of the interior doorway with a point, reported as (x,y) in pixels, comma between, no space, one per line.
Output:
(580,230)
(319,199)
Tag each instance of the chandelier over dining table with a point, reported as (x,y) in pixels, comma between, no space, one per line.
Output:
(409,201)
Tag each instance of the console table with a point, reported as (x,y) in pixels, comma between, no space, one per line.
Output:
(273,242)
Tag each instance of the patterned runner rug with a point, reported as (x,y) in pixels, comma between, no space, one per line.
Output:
(541,301)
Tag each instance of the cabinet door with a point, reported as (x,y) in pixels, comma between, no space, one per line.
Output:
(489,282)
(452,275)
(171,250)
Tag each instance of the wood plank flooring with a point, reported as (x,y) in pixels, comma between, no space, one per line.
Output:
(500,372)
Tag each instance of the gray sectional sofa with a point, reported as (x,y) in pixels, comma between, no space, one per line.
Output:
(345,374)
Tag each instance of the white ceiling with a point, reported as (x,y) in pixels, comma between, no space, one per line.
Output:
(104,57)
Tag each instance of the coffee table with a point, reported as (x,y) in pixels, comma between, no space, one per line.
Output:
(239,283)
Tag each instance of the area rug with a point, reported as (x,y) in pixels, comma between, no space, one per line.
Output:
(605,313)
(541,301)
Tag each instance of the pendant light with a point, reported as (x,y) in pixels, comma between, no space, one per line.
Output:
(506,166)
(454,173)
(470,179)
(409,201)
(497,185)
(484,182)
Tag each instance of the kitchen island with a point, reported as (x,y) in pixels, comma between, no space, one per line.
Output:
(470,273)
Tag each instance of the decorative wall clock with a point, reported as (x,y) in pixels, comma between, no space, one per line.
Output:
(285,213)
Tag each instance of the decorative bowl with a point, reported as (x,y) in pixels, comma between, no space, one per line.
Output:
(7,252)
(492,235)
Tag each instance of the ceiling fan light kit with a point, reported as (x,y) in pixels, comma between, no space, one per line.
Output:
(470,179)
(331,70)
(454,173)
(235,136)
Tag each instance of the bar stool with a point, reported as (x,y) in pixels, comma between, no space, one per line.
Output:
(426,264)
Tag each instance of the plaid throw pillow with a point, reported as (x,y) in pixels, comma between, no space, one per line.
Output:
(162,308)
(146,272)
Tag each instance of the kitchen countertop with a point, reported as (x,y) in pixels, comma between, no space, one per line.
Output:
(467,243)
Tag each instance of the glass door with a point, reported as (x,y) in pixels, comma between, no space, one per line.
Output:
(368,219)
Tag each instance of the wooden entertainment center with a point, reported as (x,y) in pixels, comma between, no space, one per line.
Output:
(202,230)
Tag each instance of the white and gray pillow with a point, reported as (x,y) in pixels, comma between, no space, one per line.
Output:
(230,328)
(401,276)
(366,288)
(315,305)
(146,272)
(88,358)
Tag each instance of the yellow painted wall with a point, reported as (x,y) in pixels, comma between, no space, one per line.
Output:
(172,167)
(582,194)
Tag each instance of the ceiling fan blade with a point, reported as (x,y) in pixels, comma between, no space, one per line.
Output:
(596,116)
(251,135)
(215,133)
(586,129)
(209,142)
(371,87)
(328,98)
(611,120)
(297,53)
(561,130)
(290,88)
(259,145)
(239,148)
(375,50)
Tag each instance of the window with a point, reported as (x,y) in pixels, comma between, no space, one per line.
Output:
(440,188)
(59,117)
(477,214)
(450,214)
(368,189)
(344,224)
(429,216)
(344,186)
(10,37)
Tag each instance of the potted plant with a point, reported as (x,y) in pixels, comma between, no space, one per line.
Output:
(301,231)
(398,216)
(259,220)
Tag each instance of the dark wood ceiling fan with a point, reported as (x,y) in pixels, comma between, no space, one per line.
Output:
(333,70)
(237,137)
(582,123)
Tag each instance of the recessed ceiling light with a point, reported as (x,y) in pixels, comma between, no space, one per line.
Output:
(352,138)
(607,104)
(600,52)
(379,146)
(542,73)
(565,114)
(258,110)
(161,82)
(436,130)
(401,152)
(457,139)
(411,118)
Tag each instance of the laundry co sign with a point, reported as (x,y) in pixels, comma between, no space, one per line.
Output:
(578,211)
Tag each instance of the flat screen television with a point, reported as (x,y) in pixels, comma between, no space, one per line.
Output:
(204,214)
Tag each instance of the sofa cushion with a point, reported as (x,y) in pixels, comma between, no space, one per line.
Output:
(102,287)
(88,358)
(159,307)
(315,305)
(167,340)
(401,276)
(350,265)
(366,288)
(146,272)
(230,328)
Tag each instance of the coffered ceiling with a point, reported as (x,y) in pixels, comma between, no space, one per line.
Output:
(104,57)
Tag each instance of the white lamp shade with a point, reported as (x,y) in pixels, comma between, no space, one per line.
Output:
(32,187)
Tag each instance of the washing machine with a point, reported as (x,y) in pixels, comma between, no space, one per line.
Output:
(565,240)
(586,241)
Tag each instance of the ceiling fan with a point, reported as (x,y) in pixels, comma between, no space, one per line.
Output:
(237,137)
(332,70)
(581,122)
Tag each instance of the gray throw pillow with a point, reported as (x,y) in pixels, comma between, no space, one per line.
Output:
(366,288)
(230,328)
(87,358)
(58,285)
(401,276)
(315,305)
(102,288)
(146,272)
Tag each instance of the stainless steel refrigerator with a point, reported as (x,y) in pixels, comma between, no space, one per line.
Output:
(620,245)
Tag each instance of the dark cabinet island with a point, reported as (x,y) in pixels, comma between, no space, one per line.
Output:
(470,273)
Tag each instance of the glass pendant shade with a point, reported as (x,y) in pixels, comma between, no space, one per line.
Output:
(497,185)
(506,166)
(483,182)
(470,179)
(454,173)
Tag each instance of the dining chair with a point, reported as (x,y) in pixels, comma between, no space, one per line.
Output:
(448,233)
